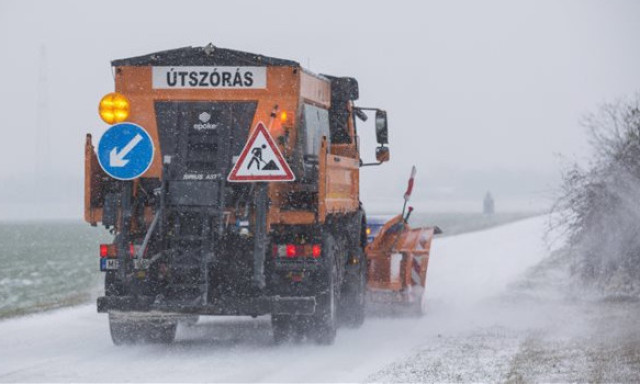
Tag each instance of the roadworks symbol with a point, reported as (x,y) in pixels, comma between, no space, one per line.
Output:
(258,160)
(261,160)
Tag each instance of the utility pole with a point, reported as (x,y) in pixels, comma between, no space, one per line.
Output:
(43,136)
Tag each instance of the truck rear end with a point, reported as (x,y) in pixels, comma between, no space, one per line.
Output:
(190,242)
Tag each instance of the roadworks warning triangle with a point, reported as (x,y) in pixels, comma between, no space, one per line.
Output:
(260,160)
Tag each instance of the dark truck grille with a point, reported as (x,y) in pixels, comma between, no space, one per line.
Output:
(201,137)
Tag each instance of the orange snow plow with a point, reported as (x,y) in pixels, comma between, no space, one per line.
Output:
(397,259)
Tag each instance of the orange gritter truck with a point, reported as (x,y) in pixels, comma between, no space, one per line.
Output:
(249,204)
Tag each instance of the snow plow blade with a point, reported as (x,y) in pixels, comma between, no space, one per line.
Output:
(398,258)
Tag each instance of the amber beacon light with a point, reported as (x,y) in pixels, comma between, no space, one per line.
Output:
(114,108)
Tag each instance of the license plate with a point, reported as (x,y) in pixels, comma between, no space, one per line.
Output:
(109,264)
(113,264)
(141,263)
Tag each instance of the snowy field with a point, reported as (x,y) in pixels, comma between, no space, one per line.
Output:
(46,265)
(53,264)
(499,310)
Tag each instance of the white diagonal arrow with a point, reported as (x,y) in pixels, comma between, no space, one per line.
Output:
(116,159)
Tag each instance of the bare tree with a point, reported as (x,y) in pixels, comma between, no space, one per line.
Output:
(600,205)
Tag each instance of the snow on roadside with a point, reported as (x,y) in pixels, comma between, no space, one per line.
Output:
(467,269)
(479,327)
(539,327)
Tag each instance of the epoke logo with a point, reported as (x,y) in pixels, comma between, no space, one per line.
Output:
(205,124)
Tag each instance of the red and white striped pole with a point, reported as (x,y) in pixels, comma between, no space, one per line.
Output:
(407,194)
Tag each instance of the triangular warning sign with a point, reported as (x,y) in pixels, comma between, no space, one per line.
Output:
(260,160)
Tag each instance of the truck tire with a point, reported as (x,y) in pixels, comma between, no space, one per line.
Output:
(160,332)
(190,321)
(323,327)
(126,330)
(352,300)
(286,328)
(282,328)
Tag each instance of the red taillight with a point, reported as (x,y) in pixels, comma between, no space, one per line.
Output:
(104,250)
(298,250)
(132,250)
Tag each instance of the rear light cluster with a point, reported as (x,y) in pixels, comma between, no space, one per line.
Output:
(291,251)
(109,250)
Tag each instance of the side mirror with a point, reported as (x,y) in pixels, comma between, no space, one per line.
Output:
(382,154)
(382,133)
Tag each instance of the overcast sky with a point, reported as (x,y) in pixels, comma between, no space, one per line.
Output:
(481,95)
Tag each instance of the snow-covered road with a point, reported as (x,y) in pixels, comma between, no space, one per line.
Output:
(468,333)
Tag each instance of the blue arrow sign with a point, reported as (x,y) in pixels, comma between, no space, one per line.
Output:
(125,151)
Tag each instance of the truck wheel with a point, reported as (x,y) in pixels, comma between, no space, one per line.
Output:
(126,330)
(287,328)
(324,325)
(352,300)
(159,332)
(190,321)
(300,327)
(282,328)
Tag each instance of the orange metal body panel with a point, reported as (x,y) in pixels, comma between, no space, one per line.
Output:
(412,245)
(287,89)
(342,175)
(91,168)
(283,84)
(94,182)
(322,182)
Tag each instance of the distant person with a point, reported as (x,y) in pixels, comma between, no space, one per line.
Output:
(488,204)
